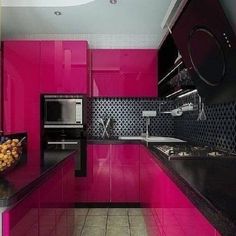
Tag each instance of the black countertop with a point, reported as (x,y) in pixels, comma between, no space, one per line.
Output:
(209,184)
(17,183)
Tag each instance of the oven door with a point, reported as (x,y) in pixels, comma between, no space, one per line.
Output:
(67,145)
(63,111)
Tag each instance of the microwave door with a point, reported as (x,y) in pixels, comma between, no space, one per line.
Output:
(53,112)
(68,112)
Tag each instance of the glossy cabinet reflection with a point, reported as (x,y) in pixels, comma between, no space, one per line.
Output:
(170,211)
(64,67)
(98,161)
(124,173)
(21,89)
(113,174)
(47,210)
(124,73)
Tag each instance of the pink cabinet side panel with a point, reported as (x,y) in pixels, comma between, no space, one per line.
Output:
(22,219)
(21,89)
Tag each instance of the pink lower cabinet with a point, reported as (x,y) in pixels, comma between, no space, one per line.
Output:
(22,219)
(98,164)
(170,209)
(124,161)
(112,174)
(50,200)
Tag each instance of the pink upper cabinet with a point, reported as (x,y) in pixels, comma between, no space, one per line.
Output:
(64,67)
(21,89)
(124,73)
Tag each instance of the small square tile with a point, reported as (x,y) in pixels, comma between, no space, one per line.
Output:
(118,221)
(135,212)
(98,221)
(98,212)
(137,231)
(147,211)
(79,221)
(118,231)
(137,221)
(78,231)
(81,211)
(93,231)
(117,212)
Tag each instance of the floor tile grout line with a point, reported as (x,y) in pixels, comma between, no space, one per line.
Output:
(106,222)
(129,222)
(84,222)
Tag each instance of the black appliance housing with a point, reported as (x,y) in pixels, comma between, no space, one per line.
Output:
(207,44)
(64,127)
(67,139)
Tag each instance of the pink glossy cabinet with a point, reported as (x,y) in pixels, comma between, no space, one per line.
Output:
(64,67)
(98,177)
(22,219)
(171,211)
(124,73)
(112,174)
(48,209)
(124,173)
(21,89)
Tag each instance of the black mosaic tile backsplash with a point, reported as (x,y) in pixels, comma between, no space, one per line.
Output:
(126,114)
(218,130)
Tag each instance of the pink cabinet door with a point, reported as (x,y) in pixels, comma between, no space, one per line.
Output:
(139,72)
(22,219)
(173,212)
(124,161)
(21,89)
(68,182)
(81,189)
(75,67)
(98,158)
(124,73)
(50,202)
(64,67)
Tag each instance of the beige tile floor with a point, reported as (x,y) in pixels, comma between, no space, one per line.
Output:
(109,222)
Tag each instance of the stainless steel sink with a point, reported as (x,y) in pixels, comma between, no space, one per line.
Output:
(158,139)
(131,138)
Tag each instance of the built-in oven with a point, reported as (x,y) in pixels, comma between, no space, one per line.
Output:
(61,111)
(67,139)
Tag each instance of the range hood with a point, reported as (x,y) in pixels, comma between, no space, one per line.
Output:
(207,44)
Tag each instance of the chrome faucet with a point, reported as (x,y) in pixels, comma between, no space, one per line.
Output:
(147,115)
(147,127)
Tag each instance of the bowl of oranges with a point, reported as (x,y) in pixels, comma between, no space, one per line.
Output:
(10,153)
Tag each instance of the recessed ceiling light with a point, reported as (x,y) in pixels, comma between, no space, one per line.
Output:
(57,13)
(113,1)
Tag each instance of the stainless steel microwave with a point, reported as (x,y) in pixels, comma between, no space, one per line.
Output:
(63,111)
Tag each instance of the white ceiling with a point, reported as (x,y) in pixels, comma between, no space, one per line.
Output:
(127,19)
(128,24)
